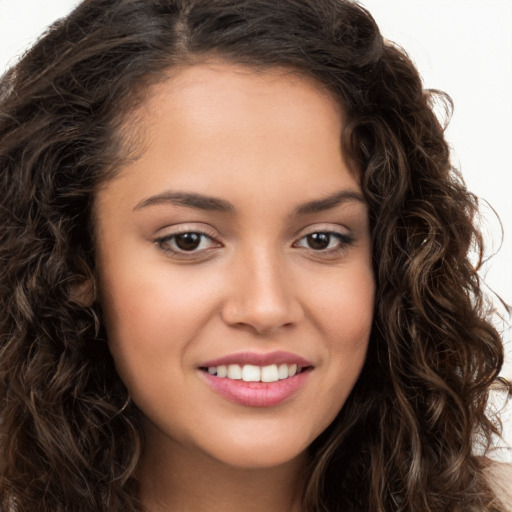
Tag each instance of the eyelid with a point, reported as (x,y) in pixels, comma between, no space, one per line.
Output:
(173,231)
(344,240)
(324,227)
(187,227)
(344,235)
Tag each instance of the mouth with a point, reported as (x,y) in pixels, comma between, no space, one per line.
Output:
(254,373)
(255,379)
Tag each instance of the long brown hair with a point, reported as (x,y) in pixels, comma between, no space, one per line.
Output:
(404,439)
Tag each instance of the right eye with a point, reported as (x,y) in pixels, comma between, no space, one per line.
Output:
(189,242)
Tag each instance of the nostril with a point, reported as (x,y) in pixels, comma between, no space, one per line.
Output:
(261,319)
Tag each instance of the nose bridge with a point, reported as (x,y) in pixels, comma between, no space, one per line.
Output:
(262,294)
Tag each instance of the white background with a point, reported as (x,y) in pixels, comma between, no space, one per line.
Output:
(463,47)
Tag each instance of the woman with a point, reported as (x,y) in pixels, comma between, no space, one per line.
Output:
(236,269)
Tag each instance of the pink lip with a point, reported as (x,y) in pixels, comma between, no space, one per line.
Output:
(257,359)
(257,394)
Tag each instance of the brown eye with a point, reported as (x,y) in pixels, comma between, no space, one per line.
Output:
(318,241)
(187,241)
(325,241)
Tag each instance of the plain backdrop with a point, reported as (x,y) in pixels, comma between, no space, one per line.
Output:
(463,47)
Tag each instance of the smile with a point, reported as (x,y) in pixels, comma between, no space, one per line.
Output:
(253,373)
(257,380)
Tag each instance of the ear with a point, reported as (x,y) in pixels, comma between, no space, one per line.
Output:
(83,293)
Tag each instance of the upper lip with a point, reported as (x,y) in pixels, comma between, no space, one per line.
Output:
(257,359)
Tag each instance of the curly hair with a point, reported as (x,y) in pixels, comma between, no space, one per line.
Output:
(404,439)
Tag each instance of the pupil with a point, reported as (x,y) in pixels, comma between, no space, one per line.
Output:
(319,240)
(188,241)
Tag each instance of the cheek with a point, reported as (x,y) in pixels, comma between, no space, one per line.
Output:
(152,317)
(346,322)
(344,306)
(145,294)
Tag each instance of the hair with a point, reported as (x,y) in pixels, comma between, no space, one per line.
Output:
(404,439)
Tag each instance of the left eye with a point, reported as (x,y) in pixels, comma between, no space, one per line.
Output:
(323,240)
(186,242)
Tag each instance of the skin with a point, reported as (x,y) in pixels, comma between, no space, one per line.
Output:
(267,143)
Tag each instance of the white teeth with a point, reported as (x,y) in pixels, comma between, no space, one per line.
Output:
(269,373)
(253,373)
(234,372)
(283,371)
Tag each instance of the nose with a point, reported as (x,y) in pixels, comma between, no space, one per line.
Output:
(261,295)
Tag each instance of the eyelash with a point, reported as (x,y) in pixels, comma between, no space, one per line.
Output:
(344,241)
(165,242)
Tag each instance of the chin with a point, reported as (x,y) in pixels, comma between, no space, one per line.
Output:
(260,459)
(261,451)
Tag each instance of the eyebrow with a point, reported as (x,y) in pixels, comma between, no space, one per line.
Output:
(210,203)
(331,201)
(188,199)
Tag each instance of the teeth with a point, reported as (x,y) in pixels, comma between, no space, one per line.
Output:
(234,372)
(252,373)
(269,373)
(283,371)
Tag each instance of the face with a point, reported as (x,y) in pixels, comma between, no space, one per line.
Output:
(234,266)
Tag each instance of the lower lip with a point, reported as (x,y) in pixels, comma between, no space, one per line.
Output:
(256,394)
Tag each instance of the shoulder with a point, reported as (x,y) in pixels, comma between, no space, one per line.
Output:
(499,478)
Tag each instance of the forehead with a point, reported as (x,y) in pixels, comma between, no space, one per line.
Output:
(223,80)
(217,124)
(210,99)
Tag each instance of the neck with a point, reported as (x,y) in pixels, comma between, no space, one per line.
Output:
(180,479)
